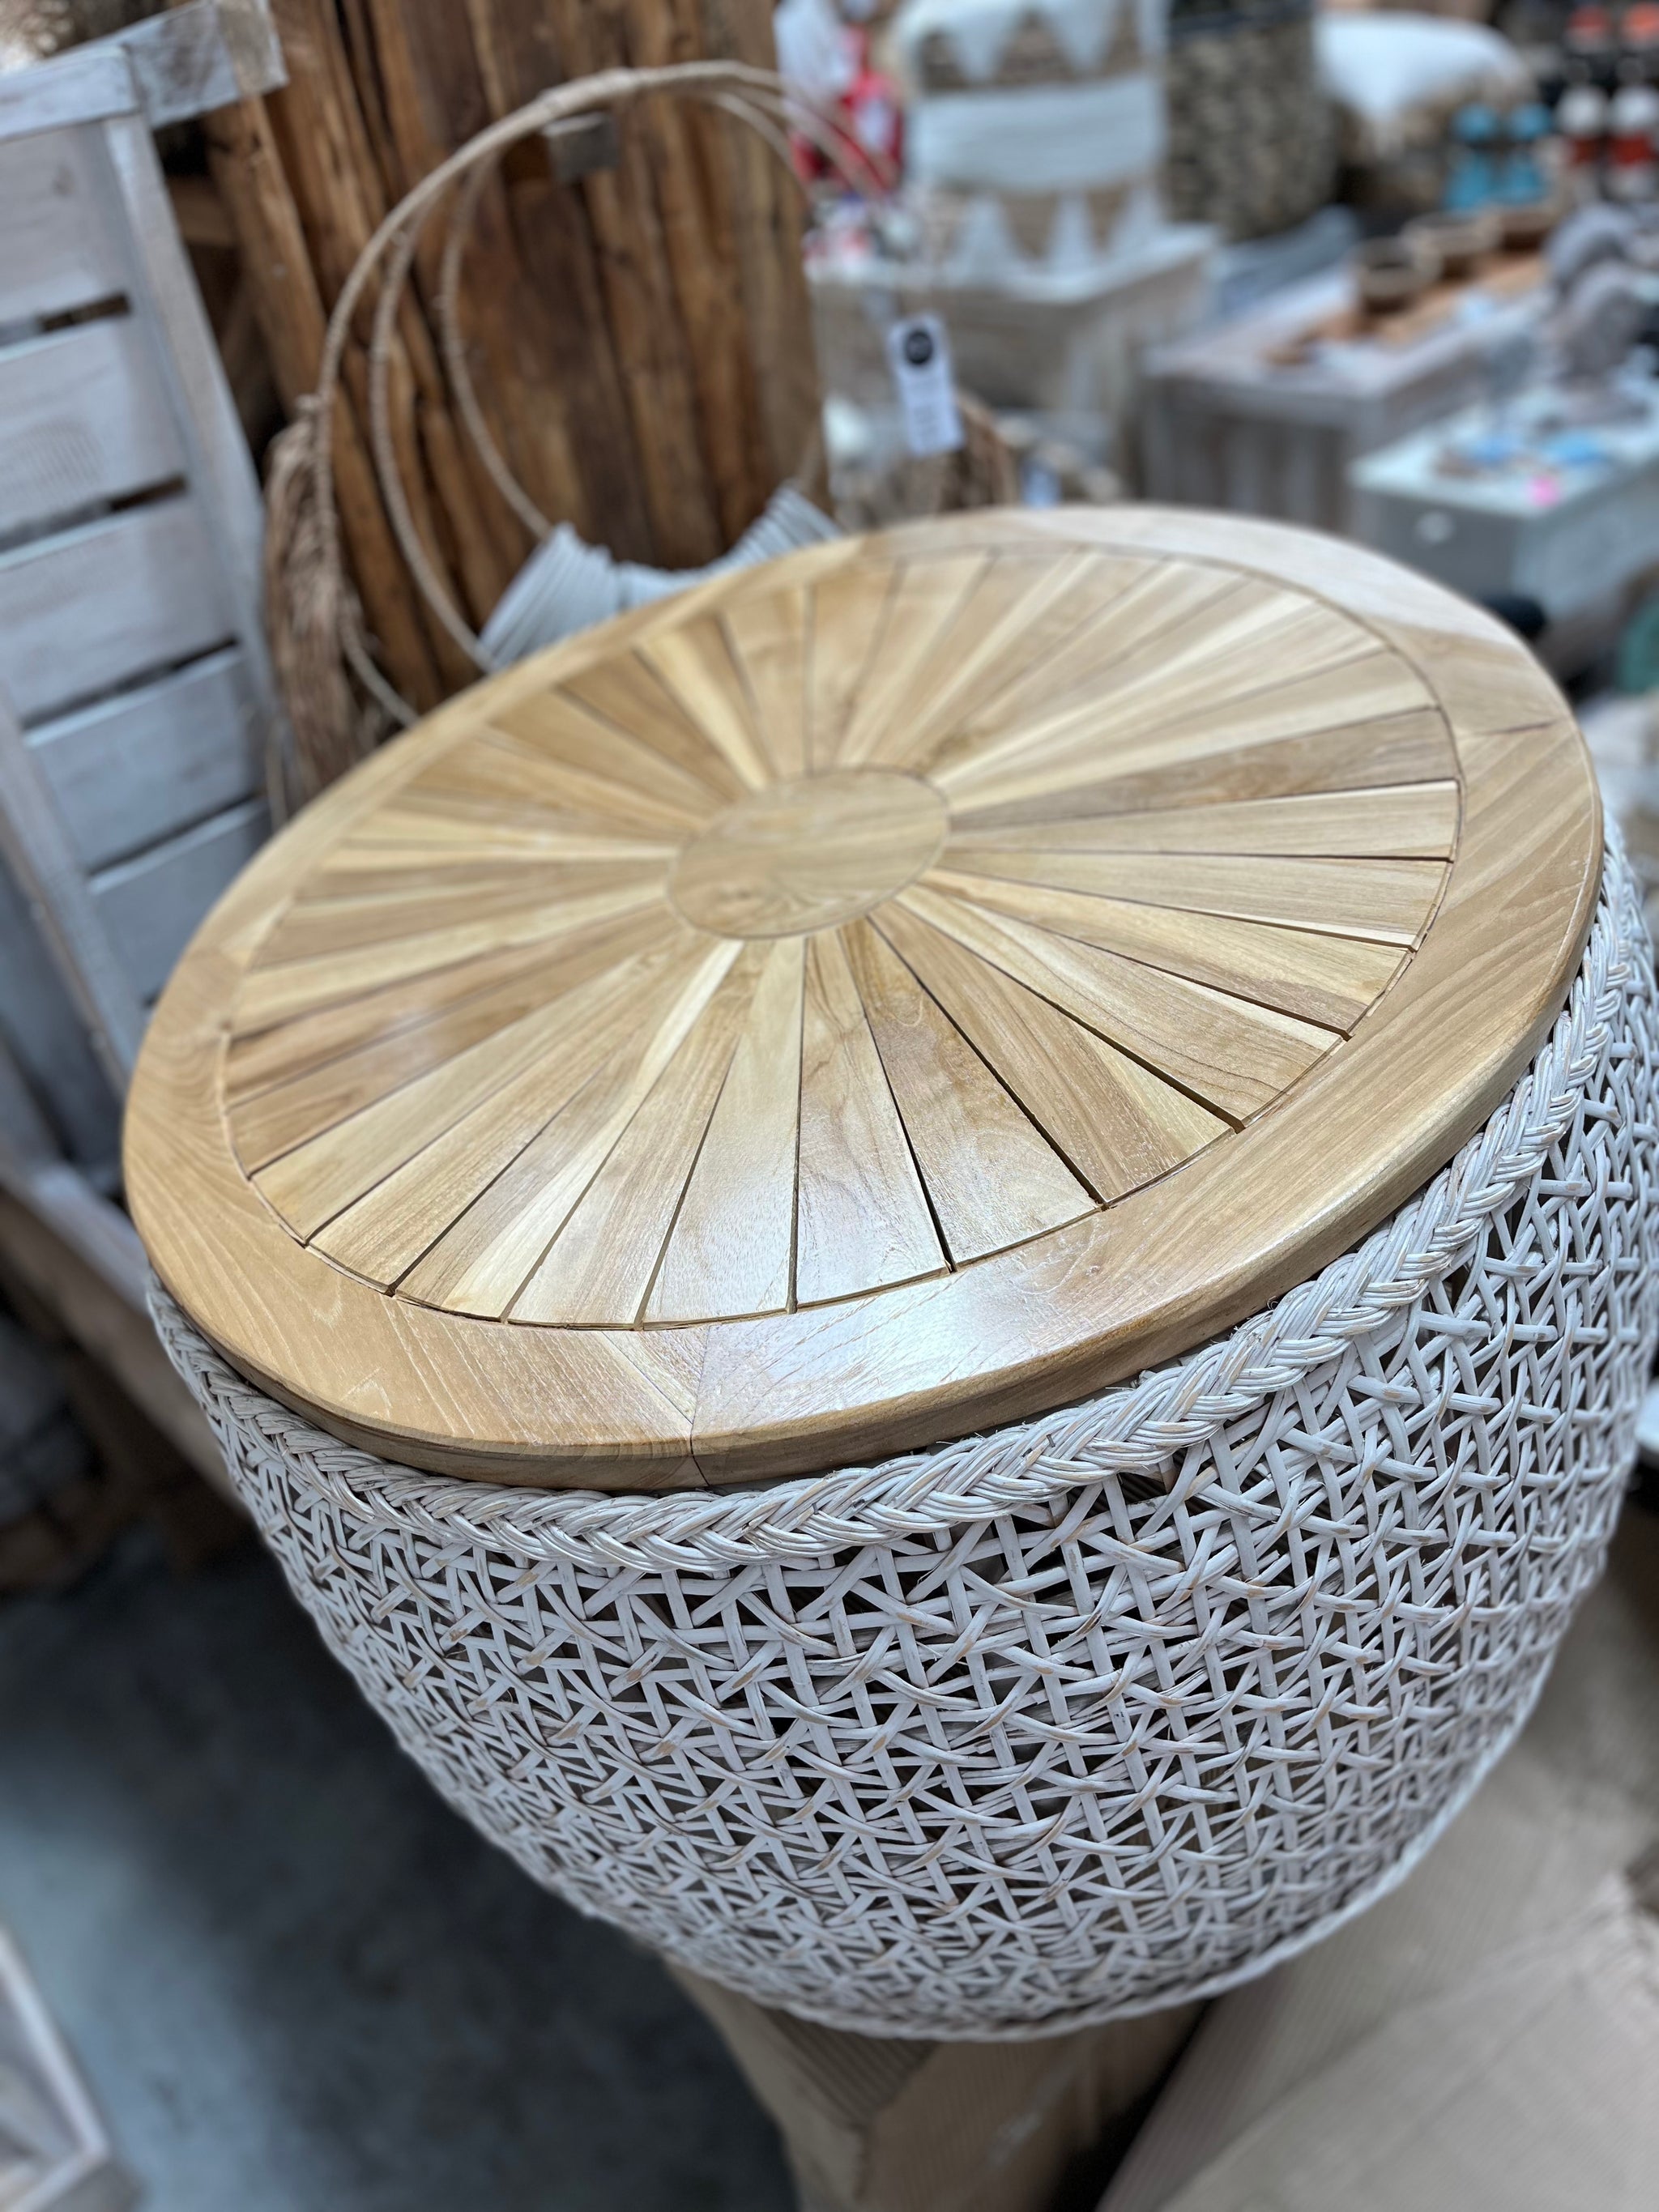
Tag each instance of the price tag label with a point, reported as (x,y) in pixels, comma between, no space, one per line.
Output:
(919,354)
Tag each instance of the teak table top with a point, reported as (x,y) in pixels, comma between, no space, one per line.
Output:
(865,999)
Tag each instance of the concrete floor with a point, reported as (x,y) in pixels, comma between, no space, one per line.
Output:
(296,1981)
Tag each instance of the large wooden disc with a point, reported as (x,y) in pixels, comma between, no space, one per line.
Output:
(865,999)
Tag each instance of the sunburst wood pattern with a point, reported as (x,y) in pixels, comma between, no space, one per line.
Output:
(838,931)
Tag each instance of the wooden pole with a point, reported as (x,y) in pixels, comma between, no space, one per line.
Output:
(640,341)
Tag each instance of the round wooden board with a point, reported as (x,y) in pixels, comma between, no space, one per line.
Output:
(865,999)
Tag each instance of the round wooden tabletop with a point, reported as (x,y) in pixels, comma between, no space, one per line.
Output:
(865,999)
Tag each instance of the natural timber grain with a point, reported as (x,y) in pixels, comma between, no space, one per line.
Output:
(699,1055)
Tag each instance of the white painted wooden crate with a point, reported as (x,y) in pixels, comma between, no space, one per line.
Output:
(135,699)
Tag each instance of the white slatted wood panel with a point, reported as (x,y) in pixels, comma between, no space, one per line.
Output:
(83,418)
(151,905)
(95,607)
(59,249)
(142,766)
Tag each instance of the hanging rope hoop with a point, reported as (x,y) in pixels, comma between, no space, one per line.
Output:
(317,625)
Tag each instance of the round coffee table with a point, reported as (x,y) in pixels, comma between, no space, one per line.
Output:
(1047,1103)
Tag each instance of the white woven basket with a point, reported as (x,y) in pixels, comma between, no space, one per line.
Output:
(1098,1712)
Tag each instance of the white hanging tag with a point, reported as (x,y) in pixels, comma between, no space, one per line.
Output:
(919,354)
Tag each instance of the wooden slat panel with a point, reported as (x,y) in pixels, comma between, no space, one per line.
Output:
(82,418)
(1116,1124)
(767,638)
(1332,981)
(730,1247)
(1023,609)
(301,986)
(150,905)
(500,776)
(993,1178)
(273,1121)
(603,1261)
(140,767)
(563,731)
(861,1219)
(1159,681)
(1405,822)
(695,664)
(1235,1054)
(1388,901)
(849,612)
(557,1048)
(57,249)
(1402,748)
(627,692)
(1097,741)
(482,1264)
(85,611)
(924,613)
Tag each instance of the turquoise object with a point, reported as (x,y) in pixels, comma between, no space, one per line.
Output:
(1522,182)
(1472,180)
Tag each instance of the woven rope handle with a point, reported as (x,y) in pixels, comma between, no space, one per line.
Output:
(757,98)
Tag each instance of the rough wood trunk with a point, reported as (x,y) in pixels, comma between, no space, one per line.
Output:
(640,341)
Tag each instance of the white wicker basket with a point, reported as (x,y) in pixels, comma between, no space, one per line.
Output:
(1085,1716)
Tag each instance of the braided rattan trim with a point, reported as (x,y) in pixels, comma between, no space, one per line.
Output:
(1085,1716)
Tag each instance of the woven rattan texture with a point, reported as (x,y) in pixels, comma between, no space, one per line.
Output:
(1083,1717)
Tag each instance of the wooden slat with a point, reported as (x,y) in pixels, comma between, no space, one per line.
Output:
(1401,822)
(95,607)
(500,773)
(1158,610)
(991,1176)
(861,1218)
(626,692)
(150,905)
(1157,681)
(318,928)
(563,731)
(137,768)
(767,637)
(1022,608)
(603,1262)
(282,993)
(57,248)
(83,417)
(1236,1055)
(730,1249)
(925,607)
(530,1069)
(1388,901)
(1332,981)
(482,1264)
(1094,739)
(849,612)
(1117,1126)
(1403,748)
(273,1121)
(695,664)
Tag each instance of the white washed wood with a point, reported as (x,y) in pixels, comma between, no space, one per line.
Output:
(55,247)
(149,906)
(151,762)
(91,609)
(82,418)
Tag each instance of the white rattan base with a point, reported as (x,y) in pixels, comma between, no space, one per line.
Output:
(1083,1717)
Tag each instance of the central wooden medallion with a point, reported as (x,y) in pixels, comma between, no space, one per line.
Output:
(809,855)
